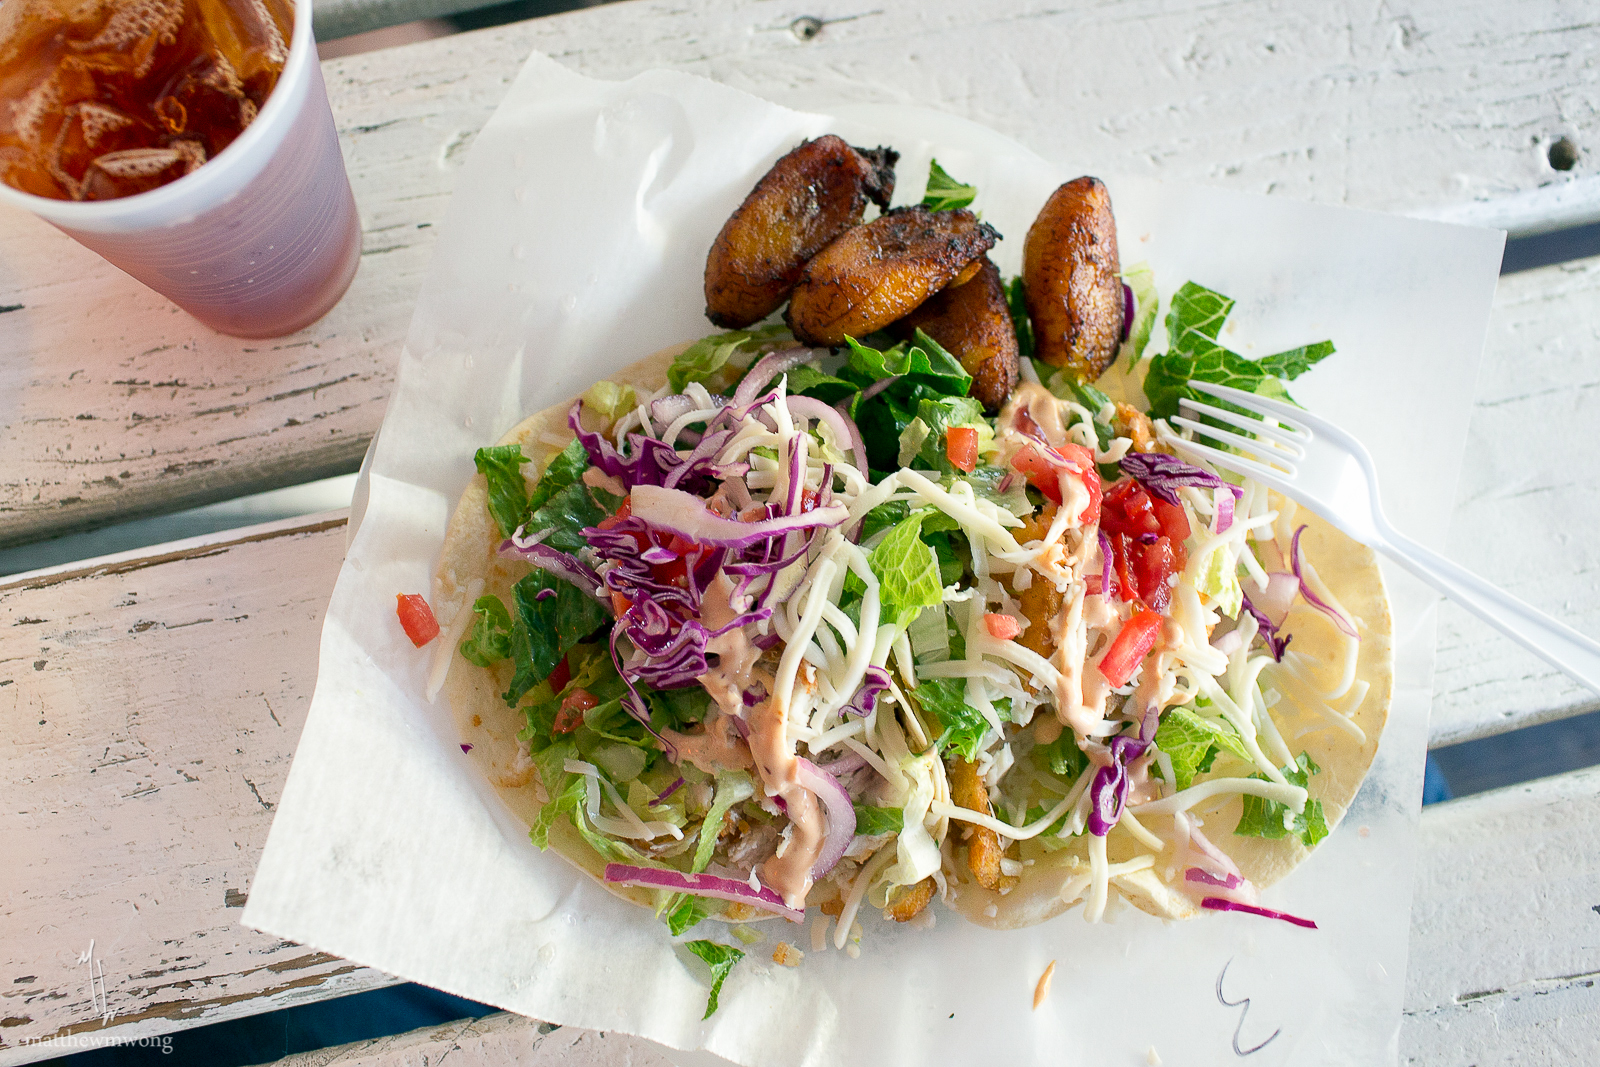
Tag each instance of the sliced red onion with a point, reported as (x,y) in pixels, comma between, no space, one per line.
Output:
(670,409)
(687,516)
(849,763)
(556,562)
(1225,513)
(841,813)
(1109,790)
(865,699)
(843,427)
(1276,599)
(825,493)
(671,789)
(1228,643)
(1195,874)
(767,368)
(702,885)
(1296,560)
(1220,904)
(1163,474)
(795,497)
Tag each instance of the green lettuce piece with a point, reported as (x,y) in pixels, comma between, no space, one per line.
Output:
(1063,757)
(501,466)
(923,358)
(806,380)
(543,630)
(912,439)
(882,517)
(566,467)
(944,192)
(1146,304)
(720,958)
(964,725)
(1267,818)
(610,399)
(568,511)
(489,640)
(707,360)
(1017,304)
(1193,323)
(1220,581)
(870,820)
(732,787)
(907,570)
(1192,742)
(560,805)
(684,910)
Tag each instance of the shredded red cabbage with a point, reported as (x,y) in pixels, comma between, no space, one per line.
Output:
(687,516)
(1163,474)
(1195,874)
(1220,904)
(555,561)
(651,462)
(865,699)
(1265,627)
(1296,560)
(701,885)
(1127,311)
(1109,790)
(671,789)
(466,748)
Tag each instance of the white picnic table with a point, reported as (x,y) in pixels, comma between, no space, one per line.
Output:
(152,701)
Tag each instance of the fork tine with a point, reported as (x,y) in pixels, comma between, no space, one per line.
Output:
(1237,464)
(1260,429)
(1287,414)
(1255,450)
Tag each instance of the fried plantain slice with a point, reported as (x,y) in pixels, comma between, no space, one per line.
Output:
(971,321)
(983,844)
(1073,279)
(809,197)
(876,273)
(909,904)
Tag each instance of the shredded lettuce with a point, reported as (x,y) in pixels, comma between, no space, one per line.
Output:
(964,726)
(907,570)
(1146,303)
(912,439)
(1017,304)
(684,910)
(568,511)
(1192,742)
(1193,323)
(923,358)
(871,821)
(566,467)
(1219,579)
(732,787)
(1063,757)
(489,640)
(710,359)
(944,192)
(501,466)
(543,630)
(1267,818)
(609,399)
(721,959)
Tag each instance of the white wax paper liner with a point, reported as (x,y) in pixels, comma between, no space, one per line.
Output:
(574,245)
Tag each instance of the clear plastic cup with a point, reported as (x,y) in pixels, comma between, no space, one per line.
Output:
(261,240)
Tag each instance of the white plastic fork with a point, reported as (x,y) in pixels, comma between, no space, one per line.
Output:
(1314,462)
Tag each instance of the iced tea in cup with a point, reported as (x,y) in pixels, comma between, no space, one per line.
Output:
(258,237)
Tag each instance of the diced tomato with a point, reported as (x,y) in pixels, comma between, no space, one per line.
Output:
(1129,648)
(620,604)
(573,705)
(1033,461)
(1002,627)
(675,572)
(808,500)
(560,676)
(1128,509)
(623,512)
(1122,547)
(416,618)
(961,446)
(1153,568)
(1083,459)
(1173,519)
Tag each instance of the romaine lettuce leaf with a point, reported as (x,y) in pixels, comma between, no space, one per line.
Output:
(1267,818)
(501,466)
(871,820)
(566,467)
(684,910)
(720,958)
(944,193)
(609,399)
(732,787)
(1192,742)
(708,359)
(1219,579)
(907,570)
(1146,303)
(489,640)
(964,726)
(543,630)
(568,511)
(1062,756)
(1017,304)
(923,358)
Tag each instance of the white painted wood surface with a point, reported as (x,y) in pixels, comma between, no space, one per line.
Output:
(118,405)
(115,404)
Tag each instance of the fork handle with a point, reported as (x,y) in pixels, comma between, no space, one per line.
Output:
(1554,641)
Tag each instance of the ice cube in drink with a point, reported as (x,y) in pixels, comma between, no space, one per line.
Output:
(107,98)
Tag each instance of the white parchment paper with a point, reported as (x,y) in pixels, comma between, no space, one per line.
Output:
(574,245)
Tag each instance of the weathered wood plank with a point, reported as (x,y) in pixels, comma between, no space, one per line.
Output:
(118,405)
(150,706)
(1504,957)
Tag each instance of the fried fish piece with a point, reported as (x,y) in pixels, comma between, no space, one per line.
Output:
(909,904)
(983,844)
(809,197)
(878,272)
(971,320)
(1073,279)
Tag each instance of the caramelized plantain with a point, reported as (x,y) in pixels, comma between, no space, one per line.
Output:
(983,844)
(809,197)
(971,321)
(876,273)
(1073,279)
